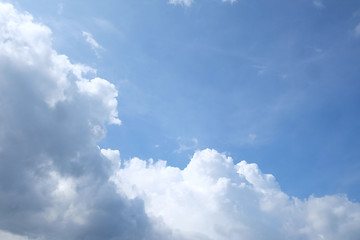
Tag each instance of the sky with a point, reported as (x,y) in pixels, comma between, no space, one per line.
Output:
(179,119)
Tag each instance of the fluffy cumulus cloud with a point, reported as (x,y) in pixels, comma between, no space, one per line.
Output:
(53,177)
(56,183)
(213,198)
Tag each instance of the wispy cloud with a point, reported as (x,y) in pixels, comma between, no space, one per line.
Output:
(357,30)
(9,236)
(92,42)
(108,26)
(187,144)
(260,69)
(187,3)
(230,1)
(252,137)
(318,4)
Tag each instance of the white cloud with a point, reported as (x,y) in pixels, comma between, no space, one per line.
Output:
(113,156)
(187,144)
(252,137)
(187,3)
(53,177)
(92,42)
(230,1)
(104,92)
(214,199)
(108,26)
(261,69)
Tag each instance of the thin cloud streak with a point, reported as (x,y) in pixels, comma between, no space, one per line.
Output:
(95,46)
(318,4)
(188,3)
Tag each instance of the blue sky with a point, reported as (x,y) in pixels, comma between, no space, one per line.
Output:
(274,83)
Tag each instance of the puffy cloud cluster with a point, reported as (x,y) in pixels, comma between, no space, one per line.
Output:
(214,199)
(53,177)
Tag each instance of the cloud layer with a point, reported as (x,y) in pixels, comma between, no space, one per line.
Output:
(56,183)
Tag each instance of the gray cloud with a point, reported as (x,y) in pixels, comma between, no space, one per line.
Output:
(53,178)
